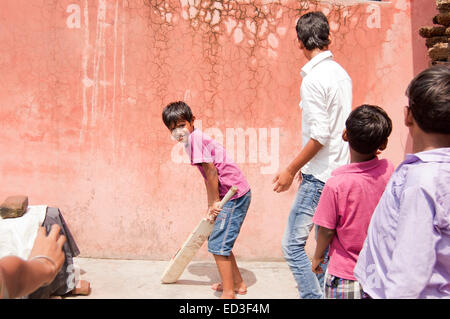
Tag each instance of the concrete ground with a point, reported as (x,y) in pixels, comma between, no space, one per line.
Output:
(140,279)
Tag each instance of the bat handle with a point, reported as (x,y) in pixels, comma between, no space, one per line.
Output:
(225,199)
(228,195)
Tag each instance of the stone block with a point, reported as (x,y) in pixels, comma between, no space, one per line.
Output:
(14,206)
(442,19)
(430,42)
(439,52)
(434,31)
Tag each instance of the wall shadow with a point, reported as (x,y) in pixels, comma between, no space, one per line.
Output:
(422,13)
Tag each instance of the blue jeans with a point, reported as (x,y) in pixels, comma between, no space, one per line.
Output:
(228,225)
(310,285)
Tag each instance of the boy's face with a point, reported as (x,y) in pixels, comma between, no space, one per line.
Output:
(181,130)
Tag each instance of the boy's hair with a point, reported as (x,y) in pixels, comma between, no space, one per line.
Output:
(313,30)
(368,127)
(176,111)
(429,99)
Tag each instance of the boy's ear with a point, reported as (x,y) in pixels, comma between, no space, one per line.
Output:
(344,135)
(383,146)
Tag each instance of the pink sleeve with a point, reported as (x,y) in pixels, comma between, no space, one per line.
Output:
(201,149)
(326,214)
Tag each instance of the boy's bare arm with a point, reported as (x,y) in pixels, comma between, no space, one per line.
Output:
(284,179)
(212,187)
(324,238)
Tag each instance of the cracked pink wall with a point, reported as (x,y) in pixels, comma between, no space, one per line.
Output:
(83,84)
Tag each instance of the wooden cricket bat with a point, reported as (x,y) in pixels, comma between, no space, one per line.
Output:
(192,244)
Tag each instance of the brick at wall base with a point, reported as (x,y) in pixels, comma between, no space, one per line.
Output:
(14,206)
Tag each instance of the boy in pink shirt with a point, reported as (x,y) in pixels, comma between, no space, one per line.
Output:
(349,198)
(219,173)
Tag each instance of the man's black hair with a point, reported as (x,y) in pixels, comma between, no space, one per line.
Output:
(368,127)
(429,99)
(313,30)
(176,111)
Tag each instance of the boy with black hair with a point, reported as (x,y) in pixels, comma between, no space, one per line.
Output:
(220,173)
(406,253)
(326,101)
(349,199)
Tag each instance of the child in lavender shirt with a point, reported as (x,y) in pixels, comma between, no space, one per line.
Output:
(407,250)
(219,173)
(349,199)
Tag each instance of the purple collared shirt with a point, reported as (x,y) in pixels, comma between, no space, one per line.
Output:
(407,250)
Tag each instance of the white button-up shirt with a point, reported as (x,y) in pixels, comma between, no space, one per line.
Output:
(326,101)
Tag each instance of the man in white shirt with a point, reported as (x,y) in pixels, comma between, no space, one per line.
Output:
(326,102)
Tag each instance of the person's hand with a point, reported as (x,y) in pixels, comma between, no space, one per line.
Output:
(315,265)
(213,211)
(51,247)
(283,181)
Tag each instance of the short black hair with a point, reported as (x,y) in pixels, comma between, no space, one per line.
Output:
(368,127)
(313,30)
(175,112)
(429,99)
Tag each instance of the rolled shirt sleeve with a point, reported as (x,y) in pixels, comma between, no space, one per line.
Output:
(314,105)
(414,252)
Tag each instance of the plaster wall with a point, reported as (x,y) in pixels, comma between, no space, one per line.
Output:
(83,84)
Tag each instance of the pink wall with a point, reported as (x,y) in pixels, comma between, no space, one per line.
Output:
(83,84)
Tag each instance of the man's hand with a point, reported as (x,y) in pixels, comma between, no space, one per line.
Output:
(315,265)
(51,247)
(283,181)
(213,211)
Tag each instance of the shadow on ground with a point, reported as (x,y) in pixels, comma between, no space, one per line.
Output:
(210,270)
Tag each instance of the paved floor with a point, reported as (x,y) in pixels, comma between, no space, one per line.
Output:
(140,279)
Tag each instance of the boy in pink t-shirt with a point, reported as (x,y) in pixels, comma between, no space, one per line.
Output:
(219,173)
(349,198)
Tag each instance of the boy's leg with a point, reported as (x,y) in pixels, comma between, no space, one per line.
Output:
(297,232)
(221,241)
(239,286)
(225,267)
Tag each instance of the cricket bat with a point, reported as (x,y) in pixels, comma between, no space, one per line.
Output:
(192,244)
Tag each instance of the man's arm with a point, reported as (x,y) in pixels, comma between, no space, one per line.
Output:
(284,179)
(22,277)
(313,99)
(324,238)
